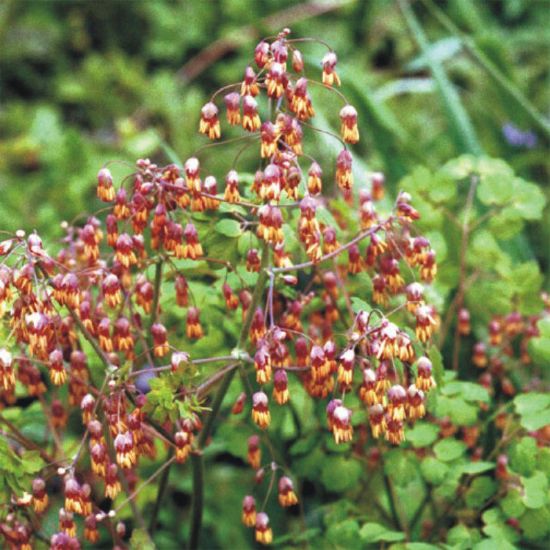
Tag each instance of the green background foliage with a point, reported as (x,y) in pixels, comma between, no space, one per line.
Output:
(84,83)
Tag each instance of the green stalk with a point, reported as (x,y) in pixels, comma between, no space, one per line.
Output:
(197,462)
(508,87)
(461,125)
(163,483)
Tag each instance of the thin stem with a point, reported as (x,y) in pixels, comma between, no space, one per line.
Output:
(418,514)
(163,483)
(334,253)
(270,297)
(331,88)
(271,485)
(156,296)
(462,269)
(136,512)
(105,361)
(196,459)
(164,468)
(58,445)
(206,385)
(389,494)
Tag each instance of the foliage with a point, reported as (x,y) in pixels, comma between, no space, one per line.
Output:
(448,98)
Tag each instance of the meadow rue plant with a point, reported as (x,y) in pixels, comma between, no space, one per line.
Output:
(326,282)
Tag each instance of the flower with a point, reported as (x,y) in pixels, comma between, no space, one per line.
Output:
(125,450)
(349,129)
(160,340)
(287,495)
(340,420)
(192,249)
(344,175)
(330,77)
(254,454)
(249,85)
(248,516)
(232,187)
(424,380)
(194,329)
(183,440)
(262,364)
(260,411)
(251,119)
(112,290)
(264,534)
(280,387)
(39,496)
(7,375)
(314,184)
(105,189)
(209,123)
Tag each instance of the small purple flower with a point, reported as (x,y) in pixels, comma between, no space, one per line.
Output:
(143,379)
(518,138)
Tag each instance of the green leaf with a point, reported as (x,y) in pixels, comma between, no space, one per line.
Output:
(529,200)
(437,364)
(442,189)
(477,467)
(534,410)
(449,449)
(422,434)
(456,408)
(543,461)
(433,470)
(375,532)
(522,456)
(497,529)
(309,465)
(344,534)
(535,523)
(539,350)
(228,207)
(304,444)
(525,278)
(401,466)
(459,534)
(493,544)
(539,347)
(481,490)
(501,533)
(544,327)
(515,99)
(512,504)
(359,305)
(535,490)
(468,390)
(32,462)
(140,540)
(496,188)
(229,228)
(339,474)
(415,546)
(506,223)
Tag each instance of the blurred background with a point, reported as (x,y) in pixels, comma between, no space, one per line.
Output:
(86,82)
(83,83)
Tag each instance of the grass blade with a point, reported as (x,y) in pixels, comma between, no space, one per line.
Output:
(508,87)
(460,124)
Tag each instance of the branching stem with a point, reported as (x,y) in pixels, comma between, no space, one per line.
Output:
(196,459)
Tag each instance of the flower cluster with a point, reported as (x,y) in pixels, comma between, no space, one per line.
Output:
(97,302)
